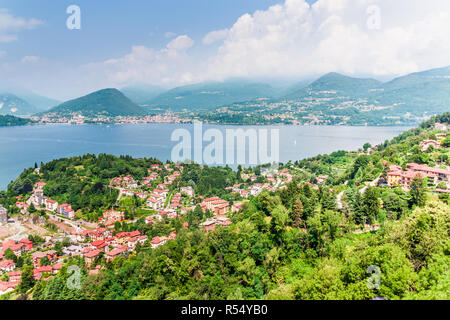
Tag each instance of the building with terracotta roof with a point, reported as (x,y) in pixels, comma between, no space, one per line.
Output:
(7,266)
(121,251)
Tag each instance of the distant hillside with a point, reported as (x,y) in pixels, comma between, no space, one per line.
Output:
(106,102)
(210,95)
(13,105)
(335,82)
(422,92)
(142,94)
(41,103)
(6,121)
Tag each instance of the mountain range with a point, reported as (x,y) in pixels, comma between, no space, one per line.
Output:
(211,95)
(422,93)
(106,102)
(21,102)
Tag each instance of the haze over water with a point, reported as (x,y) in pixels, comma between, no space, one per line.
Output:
(21,147)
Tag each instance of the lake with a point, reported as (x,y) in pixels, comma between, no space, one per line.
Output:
(21,147)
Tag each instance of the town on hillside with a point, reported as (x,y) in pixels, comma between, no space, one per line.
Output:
(148,209)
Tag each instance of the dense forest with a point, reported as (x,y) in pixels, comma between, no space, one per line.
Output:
(6,121)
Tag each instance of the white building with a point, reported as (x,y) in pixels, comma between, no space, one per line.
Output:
(3,216)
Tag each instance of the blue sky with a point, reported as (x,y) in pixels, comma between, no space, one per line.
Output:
(110,28)
(177,42)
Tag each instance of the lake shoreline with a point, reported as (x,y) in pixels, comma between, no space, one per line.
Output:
(23,146)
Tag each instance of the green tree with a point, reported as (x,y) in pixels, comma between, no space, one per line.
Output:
(418,191)
(27,280)
(371,203)
(297,214)
(9,255)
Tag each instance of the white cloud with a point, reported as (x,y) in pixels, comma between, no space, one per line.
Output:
(2,54)
(146,65)
(30,59)
(215,36)
(11,25)
(180,43)
(293,39)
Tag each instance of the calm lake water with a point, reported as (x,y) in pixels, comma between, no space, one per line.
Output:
(21,147)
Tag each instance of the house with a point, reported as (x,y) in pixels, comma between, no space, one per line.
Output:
(99,244)
(112,216)
(15,276)
(28,244)
(222,208)
(237,207)
(142,239)
(426,144)
(442,175)
(441,126)
(158,241)
(244,193)
(141,195)
(7,266)
(87,234)
(101,234)
(122,237)
(91,255)
(188,191)
(122,251)
(51,205)
(394,178)
(209,225)
(3,216)
(6,287)
(40,185)
(133,234)
(18,249)
(57,268)
(161,192)
(66,210)
(154,204)
(38,272)
(8,244)
(23,207)
(209,201)
(37,256)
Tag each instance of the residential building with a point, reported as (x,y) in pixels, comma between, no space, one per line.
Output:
(3,216)
(51,205)
(426,144)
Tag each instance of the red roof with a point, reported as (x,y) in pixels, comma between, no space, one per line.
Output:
(43,269)
(97,243)
(116,252)
(122,235)
(26,241)
(135,234)
(92,254)
(156,240)
(57,266)
(212,199)
(7,264)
